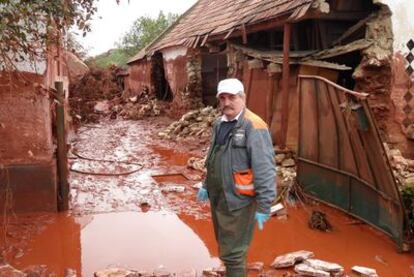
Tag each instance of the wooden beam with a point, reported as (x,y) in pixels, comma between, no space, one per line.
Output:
(285,89)
(244,34)
(336,15)
(360,24)
(62,158)
(249,86)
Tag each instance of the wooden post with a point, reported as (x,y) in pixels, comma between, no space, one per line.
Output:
(62,159)
(248,86)
(269,100)
(285,91)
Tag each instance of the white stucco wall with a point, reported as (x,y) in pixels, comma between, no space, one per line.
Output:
(174,52)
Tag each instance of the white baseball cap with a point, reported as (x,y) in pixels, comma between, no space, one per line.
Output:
(231,85)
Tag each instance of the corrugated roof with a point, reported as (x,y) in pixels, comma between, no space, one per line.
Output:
(215,17)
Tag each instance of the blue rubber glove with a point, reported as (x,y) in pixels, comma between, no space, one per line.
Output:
(261,218)
(202,195)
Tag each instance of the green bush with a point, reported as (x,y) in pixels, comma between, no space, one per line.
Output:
(407,193)
(115,56)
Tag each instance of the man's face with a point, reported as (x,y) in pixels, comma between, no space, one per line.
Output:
(231,104)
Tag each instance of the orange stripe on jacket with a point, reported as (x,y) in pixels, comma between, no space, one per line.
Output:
(256,121)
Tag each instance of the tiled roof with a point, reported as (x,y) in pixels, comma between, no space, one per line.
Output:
(215,17)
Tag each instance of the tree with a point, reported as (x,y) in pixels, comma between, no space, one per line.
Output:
(27,27)
(144,30)
(72,44)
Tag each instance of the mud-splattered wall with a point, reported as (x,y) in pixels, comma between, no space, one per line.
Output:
(139,77)
(25,132)
(28,172)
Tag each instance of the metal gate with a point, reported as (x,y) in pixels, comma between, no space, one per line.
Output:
(341,158)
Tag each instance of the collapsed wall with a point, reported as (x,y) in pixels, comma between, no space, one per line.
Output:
(373,74)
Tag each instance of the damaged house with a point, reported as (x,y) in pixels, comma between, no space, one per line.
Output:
(318,72)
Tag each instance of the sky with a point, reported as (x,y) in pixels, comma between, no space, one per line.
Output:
(113,21)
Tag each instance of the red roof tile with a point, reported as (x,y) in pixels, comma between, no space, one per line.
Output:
(214,17)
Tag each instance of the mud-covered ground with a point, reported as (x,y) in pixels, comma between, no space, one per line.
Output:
(133,206)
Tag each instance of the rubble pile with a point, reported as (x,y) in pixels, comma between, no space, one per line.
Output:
(96,86)
(286,168)
(196,123)
(304,264)
(141,106)
(197,163)
(403,168)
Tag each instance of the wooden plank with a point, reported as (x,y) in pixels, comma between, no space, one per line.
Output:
(249,84)
(244,34)
(336,15)
(276,112)
(352,30)
(308,122)
(62,158)
(328,136)
(269,99)
(377,158)
(357,145)
(285,92)
(346,160)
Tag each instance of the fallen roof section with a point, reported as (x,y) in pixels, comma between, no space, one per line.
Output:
(295,57)
(342,49)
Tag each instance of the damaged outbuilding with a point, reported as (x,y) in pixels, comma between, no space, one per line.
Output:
(348,42)
(269,45)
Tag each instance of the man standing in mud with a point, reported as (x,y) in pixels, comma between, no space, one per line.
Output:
(240,181)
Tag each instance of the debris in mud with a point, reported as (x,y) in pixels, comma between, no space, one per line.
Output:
(196,123)
(8,270)
(256,266)
(138,108)
(365,271)
(403,168)
(198,185)
(89,92)
(38,270)
(69,272)
(319,221)
(220,271)
(197,163)
(332,268)
(278,209)
(288,260)
(288,163)
(118,272)
(161,272)
(306,270)
(188,273)
(172,188)
(145,207)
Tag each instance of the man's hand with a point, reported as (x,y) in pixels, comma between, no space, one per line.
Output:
(261,218)
(202,195)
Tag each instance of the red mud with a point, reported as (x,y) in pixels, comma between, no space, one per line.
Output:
(177,231)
